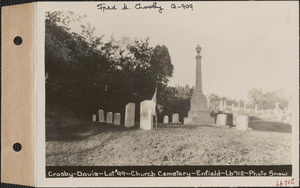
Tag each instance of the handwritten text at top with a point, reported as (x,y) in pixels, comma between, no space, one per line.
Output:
(143,6)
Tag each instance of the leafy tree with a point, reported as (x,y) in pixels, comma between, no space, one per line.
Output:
(84,73)
(161,67)
(255,95)
(272,97)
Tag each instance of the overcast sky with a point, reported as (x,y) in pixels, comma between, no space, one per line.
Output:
(244,44)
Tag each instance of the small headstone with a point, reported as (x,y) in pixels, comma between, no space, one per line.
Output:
(175,118)
(166,119)
(232,106)
(101,115)
(242,122)
(235,114)
(146,116)
(109,117)
(129,114)
(117,119)
(94,117)
(238,105)
(221,120)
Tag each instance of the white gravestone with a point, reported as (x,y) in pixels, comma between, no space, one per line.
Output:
(242,122)
(235,114)
(129,114)
(221,120)
(175,118)
(101,115)
(166,119)
(117,119)
(146,115)
(109,117)
(94,117)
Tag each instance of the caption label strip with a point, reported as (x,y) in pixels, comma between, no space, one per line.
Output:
(167,171)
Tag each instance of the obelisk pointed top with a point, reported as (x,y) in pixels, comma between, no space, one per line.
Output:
(198,49)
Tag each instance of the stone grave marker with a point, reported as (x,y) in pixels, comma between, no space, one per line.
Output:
(166,119)
(129,114)
(175,118)
(146,116)
(242,122)
(101,115)
(109,117)
(94,117)
(235,114)
(221,120)
(117,119)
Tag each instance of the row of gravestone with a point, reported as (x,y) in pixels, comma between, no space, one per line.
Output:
(175,119)
(146,116)
(110,118)
(129,116)
(239,120)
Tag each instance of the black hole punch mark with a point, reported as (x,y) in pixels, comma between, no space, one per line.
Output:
(17,147)
(18,40)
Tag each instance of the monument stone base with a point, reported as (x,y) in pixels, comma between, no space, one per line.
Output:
(199,113)
(199,120)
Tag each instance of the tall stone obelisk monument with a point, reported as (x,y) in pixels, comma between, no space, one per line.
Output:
(199,114)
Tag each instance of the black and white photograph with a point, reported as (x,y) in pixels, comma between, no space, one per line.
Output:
(182,86)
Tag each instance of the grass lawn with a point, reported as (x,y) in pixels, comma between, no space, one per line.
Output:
(94,144)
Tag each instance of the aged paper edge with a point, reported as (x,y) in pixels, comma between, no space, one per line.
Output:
(17,95)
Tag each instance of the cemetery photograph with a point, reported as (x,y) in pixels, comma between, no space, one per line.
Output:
(208,86)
